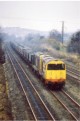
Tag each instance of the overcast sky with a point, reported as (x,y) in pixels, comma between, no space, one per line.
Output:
(41,15)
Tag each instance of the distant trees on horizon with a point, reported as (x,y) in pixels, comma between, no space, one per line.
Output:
(74,45)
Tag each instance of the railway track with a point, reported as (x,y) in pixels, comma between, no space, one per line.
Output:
(73,78)
(37,106)
(76,74)
(68,103)
(74,112)
(72,66)
(73,72)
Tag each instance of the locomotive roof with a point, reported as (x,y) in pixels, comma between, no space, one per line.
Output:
(38,53)
(52,59)
(47,59)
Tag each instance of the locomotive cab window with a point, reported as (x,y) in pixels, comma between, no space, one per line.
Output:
(56,66)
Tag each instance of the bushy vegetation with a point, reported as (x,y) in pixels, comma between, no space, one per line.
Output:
(74,45)
(55,35)
(2,59)
(40,41)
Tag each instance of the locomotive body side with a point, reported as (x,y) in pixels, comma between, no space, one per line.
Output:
(36,59)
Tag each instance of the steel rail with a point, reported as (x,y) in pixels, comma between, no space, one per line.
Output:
(41,99)
(35,90)
(70,98)
(72,66)
(23,88)
(64,106)
(73,77)
(66,94)
(77,75)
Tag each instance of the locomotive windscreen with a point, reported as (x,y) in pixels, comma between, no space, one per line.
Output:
(56,66)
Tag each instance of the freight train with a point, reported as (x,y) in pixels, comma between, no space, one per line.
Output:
(52,71)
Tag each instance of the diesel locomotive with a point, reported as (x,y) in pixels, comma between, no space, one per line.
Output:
(52,71)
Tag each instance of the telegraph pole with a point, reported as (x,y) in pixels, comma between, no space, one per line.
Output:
(62,32)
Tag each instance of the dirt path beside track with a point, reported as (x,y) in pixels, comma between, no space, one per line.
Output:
(5,107)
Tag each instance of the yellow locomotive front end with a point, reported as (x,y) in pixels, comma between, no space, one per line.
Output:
(52,71)
(55,73)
